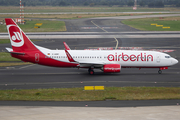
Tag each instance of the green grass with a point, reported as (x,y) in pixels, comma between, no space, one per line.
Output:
(8,64)
(7,57)
(45,9)
(47,26)
(4,41)
(6,60)
(78,94)
(7,41)
(145,24)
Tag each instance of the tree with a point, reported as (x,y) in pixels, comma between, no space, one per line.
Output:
(62,3)
(92,4)
(178,4)
(142,3)
(130,3)
(159,4)
(86,4)
(151,4)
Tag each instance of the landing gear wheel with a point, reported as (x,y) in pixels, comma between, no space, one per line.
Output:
(91,72)
(160,71)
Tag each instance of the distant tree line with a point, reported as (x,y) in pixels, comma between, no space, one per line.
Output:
(149,3)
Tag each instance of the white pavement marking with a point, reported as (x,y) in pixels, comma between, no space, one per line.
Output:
(98,36)
(27,66)
(107,32)
(99,27)
(117,43)
(89,113)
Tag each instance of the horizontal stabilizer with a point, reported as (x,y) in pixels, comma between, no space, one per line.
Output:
(11,51)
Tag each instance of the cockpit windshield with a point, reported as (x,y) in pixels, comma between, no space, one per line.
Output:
(167,56)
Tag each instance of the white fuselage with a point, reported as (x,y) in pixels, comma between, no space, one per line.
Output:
(126,58)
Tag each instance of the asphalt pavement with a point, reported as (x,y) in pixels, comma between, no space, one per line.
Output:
(36,76)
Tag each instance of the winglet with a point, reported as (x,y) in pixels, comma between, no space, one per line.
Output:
(69,57)
(66,46)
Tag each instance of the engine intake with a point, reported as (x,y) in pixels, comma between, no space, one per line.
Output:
(110,68)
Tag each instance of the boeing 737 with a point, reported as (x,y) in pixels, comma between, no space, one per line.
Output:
(109,61)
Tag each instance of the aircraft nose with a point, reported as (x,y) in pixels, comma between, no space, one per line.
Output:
(174,61)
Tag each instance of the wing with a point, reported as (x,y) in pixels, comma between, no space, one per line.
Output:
(85,63)
(89,64)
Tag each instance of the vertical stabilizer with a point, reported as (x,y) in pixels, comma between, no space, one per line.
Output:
(19,41)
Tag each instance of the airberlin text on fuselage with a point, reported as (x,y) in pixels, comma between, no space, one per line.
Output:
(132,57)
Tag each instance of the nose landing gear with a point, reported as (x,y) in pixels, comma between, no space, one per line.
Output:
(162,68)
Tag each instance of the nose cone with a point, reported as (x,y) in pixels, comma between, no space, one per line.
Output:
(174,61)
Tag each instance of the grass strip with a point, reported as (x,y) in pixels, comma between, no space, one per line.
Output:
(145,23)
(7,57)
(78,94)
(8,64)
(46,9)
(7,41)
(4,41)
(47,26)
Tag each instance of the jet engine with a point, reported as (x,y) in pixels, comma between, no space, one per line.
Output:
(110,68)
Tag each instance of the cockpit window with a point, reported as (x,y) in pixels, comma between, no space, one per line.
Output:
(167,56)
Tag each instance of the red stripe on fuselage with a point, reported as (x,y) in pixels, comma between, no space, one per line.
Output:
(43,59)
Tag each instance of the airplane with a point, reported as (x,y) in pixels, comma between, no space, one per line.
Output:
(109,61)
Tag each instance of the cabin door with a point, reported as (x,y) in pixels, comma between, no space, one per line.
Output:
(158,58)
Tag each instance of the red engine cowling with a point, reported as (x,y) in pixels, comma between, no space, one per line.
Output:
(110,68)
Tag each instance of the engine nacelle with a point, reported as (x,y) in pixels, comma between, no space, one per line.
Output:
(110,68)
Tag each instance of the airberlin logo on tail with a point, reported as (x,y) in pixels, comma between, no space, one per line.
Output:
(16,36)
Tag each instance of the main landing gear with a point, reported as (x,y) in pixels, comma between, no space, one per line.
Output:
(160,71)
(91,71)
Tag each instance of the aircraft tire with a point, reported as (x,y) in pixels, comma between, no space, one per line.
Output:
(160,71)
(91,72)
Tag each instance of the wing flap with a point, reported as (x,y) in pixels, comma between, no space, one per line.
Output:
(89,64)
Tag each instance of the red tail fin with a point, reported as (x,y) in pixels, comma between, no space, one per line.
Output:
(19,41)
